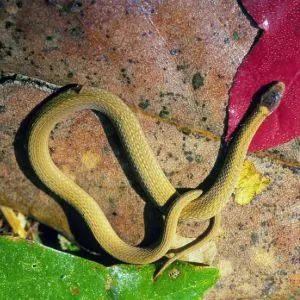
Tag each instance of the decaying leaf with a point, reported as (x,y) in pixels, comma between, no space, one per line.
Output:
(275,56)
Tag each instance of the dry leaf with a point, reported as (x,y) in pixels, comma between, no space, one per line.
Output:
(250,183)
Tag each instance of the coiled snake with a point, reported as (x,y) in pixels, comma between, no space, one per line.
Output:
(191,205)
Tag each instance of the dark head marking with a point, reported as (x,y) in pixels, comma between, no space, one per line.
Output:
(272,97)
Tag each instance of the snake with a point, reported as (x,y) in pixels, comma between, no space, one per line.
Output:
(191,205)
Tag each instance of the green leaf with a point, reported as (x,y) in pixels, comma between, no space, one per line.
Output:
(32,271)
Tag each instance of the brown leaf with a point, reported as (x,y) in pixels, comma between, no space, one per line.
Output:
(172,64)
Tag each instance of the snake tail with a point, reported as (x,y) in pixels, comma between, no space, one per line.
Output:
(214,225)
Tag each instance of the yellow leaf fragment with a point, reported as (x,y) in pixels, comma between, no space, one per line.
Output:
(90,159)
(225,267)
(265,259)
(250,183)
(16,222)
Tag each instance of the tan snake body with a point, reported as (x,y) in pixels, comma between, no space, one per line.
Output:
(190,205)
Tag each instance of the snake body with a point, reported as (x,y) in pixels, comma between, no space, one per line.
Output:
(190,205)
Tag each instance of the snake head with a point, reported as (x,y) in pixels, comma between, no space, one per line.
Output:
(272,97)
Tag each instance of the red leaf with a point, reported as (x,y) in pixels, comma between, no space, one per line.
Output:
(276,56)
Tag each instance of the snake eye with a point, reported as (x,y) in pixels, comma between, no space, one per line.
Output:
(272,97)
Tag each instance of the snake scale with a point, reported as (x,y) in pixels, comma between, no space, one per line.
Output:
(190,205)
